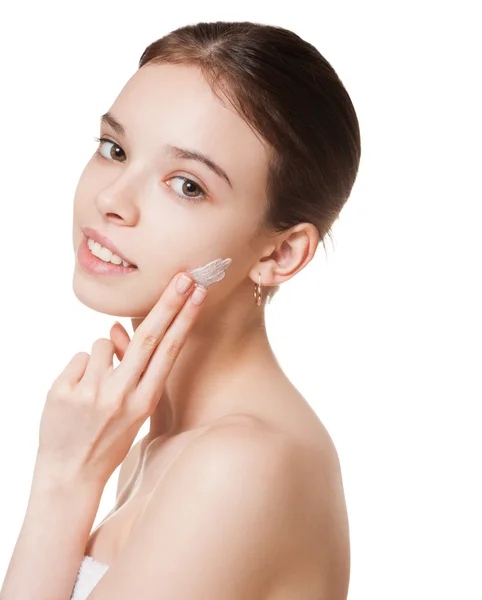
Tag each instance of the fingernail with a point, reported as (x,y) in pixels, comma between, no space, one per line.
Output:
(183,284)
(199,294)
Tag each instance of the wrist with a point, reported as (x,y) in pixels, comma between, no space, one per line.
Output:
(73,502)
(48,477)
(58,521)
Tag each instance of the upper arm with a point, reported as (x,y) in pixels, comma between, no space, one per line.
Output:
(213,529)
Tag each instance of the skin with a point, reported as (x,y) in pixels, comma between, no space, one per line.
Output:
(133,203)
(226,392)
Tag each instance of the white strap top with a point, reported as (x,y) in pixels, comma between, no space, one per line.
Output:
(89,575)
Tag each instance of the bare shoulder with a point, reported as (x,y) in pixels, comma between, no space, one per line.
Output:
(280,495)
(238,447)
(246,495)
(223,512)
(242,468)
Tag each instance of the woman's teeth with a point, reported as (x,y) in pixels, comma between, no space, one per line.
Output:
(105,254)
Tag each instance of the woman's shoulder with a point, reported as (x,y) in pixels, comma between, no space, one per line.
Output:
(131,463)
(254,446)
(294,482)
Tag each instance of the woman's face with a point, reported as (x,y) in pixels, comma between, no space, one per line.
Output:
(129,192)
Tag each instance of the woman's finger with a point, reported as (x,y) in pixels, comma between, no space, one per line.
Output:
(120,338)
(149,333)
(153,379)
(100,361)
(74,370)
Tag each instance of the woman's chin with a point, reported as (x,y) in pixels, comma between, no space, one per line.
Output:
(107,300)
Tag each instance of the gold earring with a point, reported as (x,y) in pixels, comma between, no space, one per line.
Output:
(257,290)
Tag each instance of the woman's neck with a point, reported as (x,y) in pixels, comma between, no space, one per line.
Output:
(210,376)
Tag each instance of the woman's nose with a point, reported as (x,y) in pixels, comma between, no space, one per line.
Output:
(120,199)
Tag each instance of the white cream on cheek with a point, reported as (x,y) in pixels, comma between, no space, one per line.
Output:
(212,272)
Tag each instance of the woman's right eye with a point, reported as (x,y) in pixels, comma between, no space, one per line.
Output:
(115,152)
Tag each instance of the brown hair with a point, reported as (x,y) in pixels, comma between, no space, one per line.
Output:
(288,92)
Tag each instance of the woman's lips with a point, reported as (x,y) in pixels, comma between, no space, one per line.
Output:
(106,242)
(96,266)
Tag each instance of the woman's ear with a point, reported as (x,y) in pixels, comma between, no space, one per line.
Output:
(294,249)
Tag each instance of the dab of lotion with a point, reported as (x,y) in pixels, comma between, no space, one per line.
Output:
(212,272)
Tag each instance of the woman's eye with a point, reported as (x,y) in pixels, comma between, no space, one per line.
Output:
(187,189)
(114,152)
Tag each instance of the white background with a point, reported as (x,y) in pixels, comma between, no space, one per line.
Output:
(382,334)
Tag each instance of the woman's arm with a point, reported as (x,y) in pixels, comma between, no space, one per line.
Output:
(90,419)
(54,534)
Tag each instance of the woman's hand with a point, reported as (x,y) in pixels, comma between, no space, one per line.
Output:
(94,411)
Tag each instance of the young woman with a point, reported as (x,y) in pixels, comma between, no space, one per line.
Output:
(227,157)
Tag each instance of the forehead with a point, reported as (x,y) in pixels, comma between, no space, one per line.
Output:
(174,104)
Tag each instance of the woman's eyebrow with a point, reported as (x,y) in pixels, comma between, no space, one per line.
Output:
(174,151)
